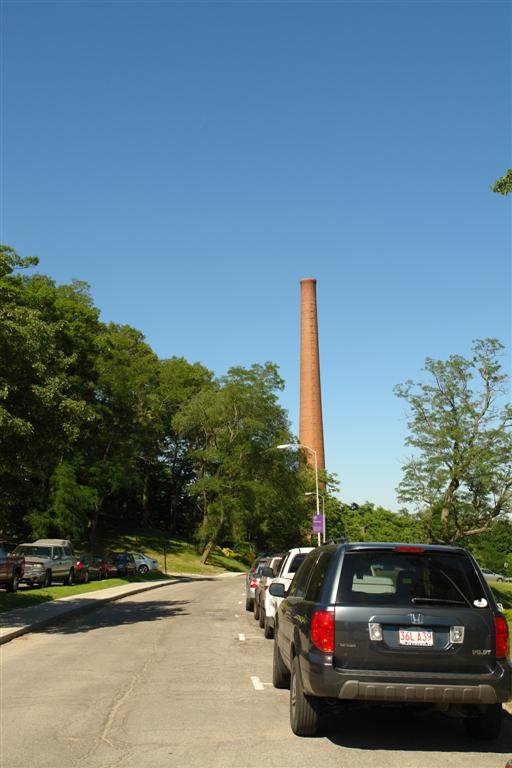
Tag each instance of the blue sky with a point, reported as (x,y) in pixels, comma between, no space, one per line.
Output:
(193,161)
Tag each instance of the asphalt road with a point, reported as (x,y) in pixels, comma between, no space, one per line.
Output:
(181,676)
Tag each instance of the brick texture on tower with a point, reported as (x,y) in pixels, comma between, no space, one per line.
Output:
(311,430)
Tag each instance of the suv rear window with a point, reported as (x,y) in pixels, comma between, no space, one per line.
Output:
(398,578)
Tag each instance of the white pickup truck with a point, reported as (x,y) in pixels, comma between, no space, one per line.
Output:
(269,604)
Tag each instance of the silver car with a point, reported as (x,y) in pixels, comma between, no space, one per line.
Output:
(491,576)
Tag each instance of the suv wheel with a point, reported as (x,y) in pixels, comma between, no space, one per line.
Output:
(280,675)
(256,609)
(487,724)
(261,621)
(304,716)
(248,604)
(143,568)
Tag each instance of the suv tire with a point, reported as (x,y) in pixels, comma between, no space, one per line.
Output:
(487,724)
(256,609)
(248,604)
(304,710)
(261,621)
(280,675)
(143,568)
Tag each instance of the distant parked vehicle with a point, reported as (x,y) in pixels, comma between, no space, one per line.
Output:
(125,563)
(12,568)
(47,560)
(98,566)
(491,575)
(267,574)
(144,563)
(252,580)
(81,569)
(289,565)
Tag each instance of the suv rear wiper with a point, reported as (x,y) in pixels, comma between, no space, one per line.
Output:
(438,600)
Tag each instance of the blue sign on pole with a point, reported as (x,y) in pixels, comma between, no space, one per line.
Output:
(318,523)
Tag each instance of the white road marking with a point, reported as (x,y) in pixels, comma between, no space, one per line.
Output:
(240,602)
(241,637)
(258,685)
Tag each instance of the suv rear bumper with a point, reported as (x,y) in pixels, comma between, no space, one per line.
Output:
(440,688)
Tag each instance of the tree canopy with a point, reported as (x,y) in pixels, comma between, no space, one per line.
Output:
(503,186)
(460,476)
(95,429)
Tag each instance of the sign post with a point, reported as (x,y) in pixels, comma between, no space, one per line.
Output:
(318,526)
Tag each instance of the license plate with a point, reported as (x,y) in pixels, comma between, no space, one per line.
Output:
(416,637)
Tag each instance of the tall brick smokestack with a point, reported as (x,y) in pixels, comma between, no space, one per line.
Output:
(311,430)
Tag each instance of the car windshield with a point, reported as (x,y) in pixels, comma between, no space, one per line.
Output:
(397,578)
(29,550)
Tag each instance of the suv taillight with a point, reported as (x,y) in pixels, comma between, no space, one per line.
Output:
(322,630)
(501,629)
(253,583)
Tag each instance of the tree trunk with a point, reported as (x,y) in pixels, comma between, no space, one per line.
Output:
(206,551)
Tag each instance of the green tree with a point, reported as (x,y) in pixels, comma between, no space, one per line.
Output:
(47,338)
(240,482)
(460,476)
(504,185)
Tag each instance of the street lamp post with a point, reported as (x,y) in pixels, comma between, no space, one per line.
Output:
(307,448)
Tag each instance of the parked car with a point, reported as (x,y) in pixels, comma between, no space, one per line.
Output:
(144,563)
(491,576)
(267,573)
(289,565)
(252,580)
(81,570)
(125,563)
(392,623)
(47,560)
(12,568)
(98,566)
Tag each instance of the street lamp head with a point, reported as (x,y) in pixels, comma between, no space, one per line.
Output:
(285,446)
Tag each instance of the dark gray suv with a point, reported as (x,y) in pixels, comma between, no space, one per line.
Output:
(392,624)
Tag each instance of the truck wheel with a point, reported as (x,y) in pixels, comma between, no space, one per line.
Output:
(68,581)
(280,675)
(304,709)
(487,724)
(12,586)
(47,581)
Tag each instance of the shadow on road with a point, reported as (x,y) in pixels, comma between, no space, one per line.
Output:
(120,613)
(401,729)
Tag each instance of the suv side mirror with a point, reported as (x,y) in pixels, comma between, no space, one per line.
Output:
(277,590)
